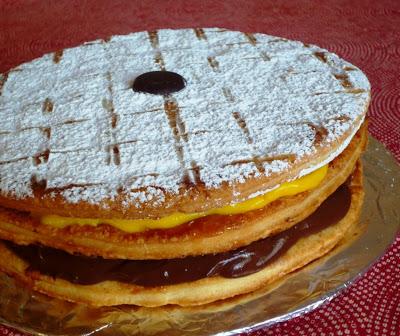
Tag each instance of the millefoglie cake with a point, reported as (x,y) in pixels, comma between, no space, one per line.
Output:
(177,166)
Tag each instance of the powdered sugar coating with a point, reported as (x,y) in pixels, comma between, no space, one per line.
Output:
(73,120)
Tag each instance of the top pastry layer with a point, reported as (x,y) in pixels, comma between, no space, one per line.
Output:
(256,111)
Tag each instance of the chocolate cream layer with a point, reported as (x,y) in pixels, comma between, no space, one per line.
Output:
(243,261)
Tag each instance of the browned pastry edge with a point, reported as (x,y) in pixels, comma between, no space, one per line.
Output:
(210,234)
(191,198)
(198,292)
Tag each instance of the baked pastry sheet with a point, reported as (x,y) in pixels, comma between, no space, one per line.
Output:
(300,292)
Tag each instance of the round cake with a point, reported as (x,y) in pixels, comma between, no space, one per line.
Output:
(177,166)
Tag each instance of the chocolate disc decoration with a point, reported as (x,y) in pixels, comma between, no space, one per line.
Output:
(159,82)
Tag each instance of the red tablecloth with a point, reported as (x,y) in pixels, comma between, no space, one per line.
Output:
(366,33)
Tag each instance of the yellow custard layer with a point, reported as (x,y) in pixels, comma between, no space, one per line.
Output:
(302,184)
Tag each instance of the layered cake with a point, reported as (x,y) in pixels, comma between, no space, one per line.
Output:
(177,166)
